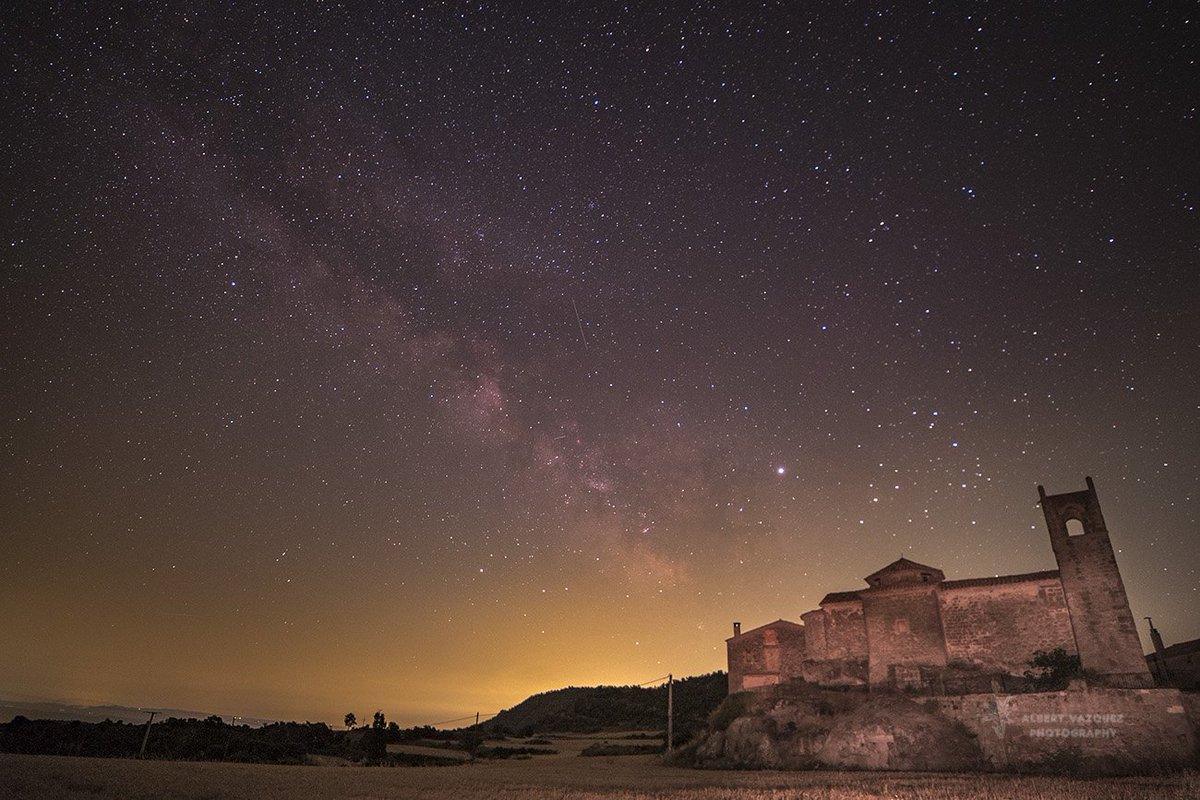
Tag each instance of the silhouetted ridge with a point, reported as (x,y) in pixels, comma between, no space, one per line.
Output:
(588,709)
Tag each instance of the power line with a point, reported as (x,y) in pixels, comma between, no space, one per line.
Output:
(656,680)
(459,719)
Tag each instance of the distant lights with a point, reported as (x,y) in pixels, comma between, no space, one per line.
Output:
(781,470)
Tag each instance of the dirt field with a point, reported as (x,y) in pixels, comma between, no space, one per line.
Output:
(562,777)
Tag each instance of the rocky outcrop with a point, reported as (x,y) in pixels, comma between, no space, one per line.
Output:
(798,727)
(893,732)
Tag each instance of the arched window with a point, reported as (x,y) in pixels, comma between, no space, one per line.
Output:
(1075,527)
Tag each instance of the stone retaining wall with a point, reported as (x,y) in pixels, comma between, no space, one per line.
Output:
(1087,728)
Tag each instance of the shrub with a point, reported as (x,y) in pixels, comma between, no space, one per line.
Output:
(732,707)
(1053,670)
(607,749)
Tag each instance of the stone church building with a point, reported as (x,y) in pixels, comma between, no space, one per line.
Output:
(911,628)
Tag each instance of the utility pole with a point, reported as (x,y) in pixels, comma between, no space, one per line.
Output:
(229,741)
(476,719)
(670,712)
(146,737)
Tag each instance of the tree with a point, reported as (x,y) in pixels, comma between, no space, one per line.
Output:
(1053,670)
(350,720)
(470,739)
(375,741)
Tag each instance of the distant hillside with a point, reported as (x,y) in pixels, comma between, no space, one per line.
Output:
(586,709)
(50,709)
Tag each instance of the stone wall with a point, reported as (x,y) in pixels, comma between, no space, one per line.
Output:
(794,644)
(1083,729)
(998,626)
(904,633)
(836,644)
(746,657)
(815,636)
(765,656)
(837,631)
(845,631)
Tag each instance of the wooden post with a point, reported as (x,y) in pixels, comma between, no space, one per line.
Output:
(476,719)
(146,737)
(670,712)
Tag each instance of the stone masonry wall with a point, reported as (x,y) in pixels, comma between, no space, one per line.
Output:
(814,634)
(764,656)
(904,631)
(836,644)
(1000,627)
(1105,633)
(745,657)
(792,647)
(1105,730)
(845,631)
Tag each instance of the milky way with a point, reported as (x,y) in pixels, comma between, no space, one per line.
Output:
(424,356)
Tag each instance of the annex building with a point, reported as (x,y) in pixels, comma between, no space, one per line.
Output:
(910,628)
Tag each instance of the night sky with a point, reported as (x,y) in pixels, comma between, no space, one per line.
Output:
(421,357)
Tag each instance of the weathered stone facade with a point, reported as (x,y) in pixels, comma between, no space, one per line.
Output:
(768,651)
(1111,730)
(911,628)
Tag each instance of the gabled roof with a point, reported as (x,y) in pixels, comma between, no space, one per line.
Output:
(779,623)
(902,564)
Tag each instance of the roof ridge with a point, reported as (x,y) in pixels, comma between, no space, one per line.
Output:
(1001,579)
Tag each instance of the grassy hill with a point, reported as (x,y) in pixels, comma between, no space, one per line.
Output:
(588,709)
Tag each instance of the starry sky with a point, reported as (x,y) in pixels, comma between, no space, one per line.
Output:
(424,356)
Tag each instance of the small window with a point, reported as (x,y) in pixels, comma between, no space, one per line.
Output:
(924,577)
(900,625)
(1074,527)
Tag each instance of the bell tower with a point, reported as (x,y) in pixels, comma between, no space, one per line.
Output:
(1105,635)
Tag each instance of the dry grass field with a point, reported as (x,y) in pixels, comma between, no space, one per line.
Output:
(565,776)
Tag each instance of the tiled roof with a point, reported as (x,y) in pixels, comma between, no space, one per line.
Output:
(779,623)
(843,597)
(1001,579)
(838,597)
(902,564)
